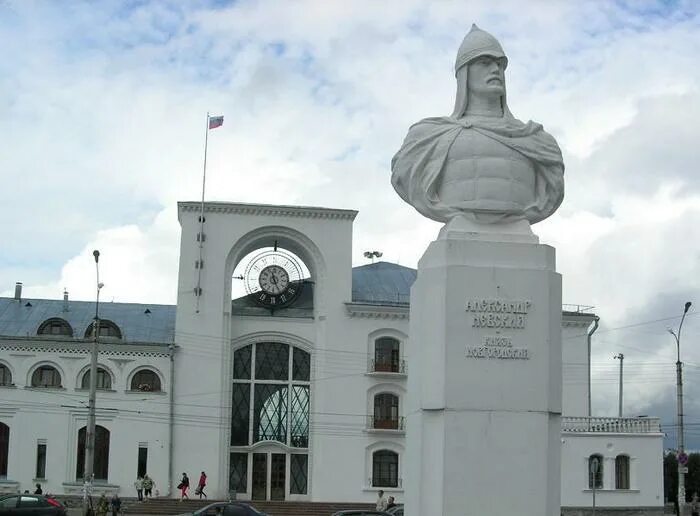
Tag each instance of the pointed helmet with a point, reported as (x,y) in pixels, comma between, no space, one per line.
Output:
(478,43)
(475,44)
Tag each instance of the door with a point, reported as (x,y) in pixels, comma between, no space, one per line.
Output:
(277,476)
(259,476)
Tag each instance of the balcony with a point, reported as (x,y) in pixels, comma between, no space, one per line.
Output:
(383,424)
(389,367)
(614,425)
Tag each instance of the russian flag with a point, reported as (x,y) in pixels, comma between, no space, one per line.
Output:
(216,121)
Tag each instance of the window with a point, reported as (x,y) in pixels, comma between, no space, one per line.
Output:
(146,381)
(238,472)
(386,411)
(142,462)
(101,465)
(386,355)
(385,469)
(40,460)
(46,376)
(4,448)
(298,470)
(5,375)
(104,380)
(27,501)
(107,330)
(595,471)
(9,503)
(622,472)
(56,327)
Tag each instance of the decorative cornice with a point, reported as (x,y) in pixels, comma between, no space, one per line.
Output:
(311,212)
(370,311)
(82,348)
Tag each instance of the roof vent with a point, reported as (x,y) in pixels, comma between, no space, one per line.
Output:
(18,290)
(65,300)
(28,305)
(147,311)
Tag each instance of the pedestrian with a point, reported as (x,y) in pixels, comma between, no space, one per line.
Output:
(381,501)
(102,506)
(38,489)
(116,504)
(695,505)
(183,486)
(148,484)
(390,503)
(139,487)
(201,485)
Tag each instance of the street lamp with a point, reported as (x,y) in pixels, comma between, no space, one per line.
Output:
(679,390)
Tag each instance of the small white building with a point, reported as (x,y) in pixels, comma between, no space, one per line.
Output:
(281,372)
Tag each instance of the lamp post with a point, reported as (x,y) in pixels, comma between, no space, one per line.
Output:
(90,430)
(679,390)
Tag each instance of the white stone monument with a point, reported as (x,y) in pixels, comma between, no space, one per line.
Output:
(484,389)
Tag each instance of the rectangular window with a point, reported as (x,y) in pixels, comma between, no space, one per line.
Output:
(240,414)
(238,473)
(142,467)
(299,473)
(41,459)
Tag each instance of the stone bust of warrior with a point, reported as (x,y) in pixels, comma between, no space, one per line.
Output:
(480,163)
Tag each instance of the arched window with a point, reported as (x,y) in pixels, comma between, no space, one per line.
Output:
(101,464)
(55,326)
(104,380)
(387,355)
(46,376)
(4,448)
(108,330)
(595,471)
(386,411)
(385,469)
(5,375)
(146,381)
(622,472)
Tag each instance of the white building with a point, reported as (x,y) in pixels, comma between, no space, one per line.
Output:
(291,392)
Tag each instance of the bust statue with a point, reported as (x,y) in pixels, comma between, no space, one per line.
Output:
(480,163)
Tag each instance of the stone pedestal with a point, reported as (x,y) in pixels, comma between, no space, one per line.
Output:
(484,388)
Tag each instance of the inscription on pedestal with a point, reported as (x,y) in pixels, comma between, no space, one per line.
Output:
(498,313)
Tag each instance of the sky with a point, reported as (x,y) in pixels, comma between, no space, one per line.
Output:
(103,109)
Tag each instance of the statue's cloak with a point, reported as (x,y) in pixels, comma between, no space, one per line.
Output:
(417,167)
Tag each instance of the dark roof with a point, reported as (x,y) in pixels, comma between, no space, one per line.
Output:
(382,283)
(137,322)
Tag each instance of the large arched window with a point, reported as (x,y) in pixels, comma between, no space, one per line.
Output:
(5,375)
(622,472)
(386,411)
(104,380)
(4,448)
(385,469)
(387,356)
(55,326)
(101,465)
(46,376)
(108,330)
(145,380)
(595,471)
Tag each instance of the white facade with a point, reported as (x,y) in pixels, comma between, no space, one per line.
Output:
(338,327)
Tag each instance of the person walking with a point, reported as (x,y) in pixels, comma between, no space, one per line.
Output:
(381,501)
(148,484)
(183,486)
(38,489)
(116,504)
(390,503)
(139,488)
(201,485)
(102,506)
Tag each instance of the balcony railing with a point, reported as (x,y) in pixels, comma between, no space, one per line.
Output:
(385,423)
(385,482)
(386,366)
(617,425)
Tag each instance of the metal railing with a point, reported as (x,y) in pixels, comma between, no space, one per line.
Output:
(579,309)
(386,423)
(380,298)
(379,482)
(386,366)
(617,425)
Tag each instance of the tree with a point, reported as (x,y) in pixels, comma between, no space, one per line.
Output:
(670,477)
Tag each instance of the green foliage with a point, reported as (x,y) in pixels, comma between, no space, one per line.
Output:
(692,478)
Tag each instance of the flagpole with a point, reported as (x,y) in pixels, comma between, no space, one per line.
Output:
(198,290)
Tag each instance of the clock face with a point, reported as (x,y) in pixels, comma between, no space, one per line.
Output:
(274,278)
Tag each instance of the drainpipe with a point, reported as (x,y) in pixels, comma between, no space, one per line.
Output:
(171,399)
(590,334)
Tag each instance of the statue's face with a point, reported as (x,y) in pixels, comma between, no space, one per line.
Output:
(486,76)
